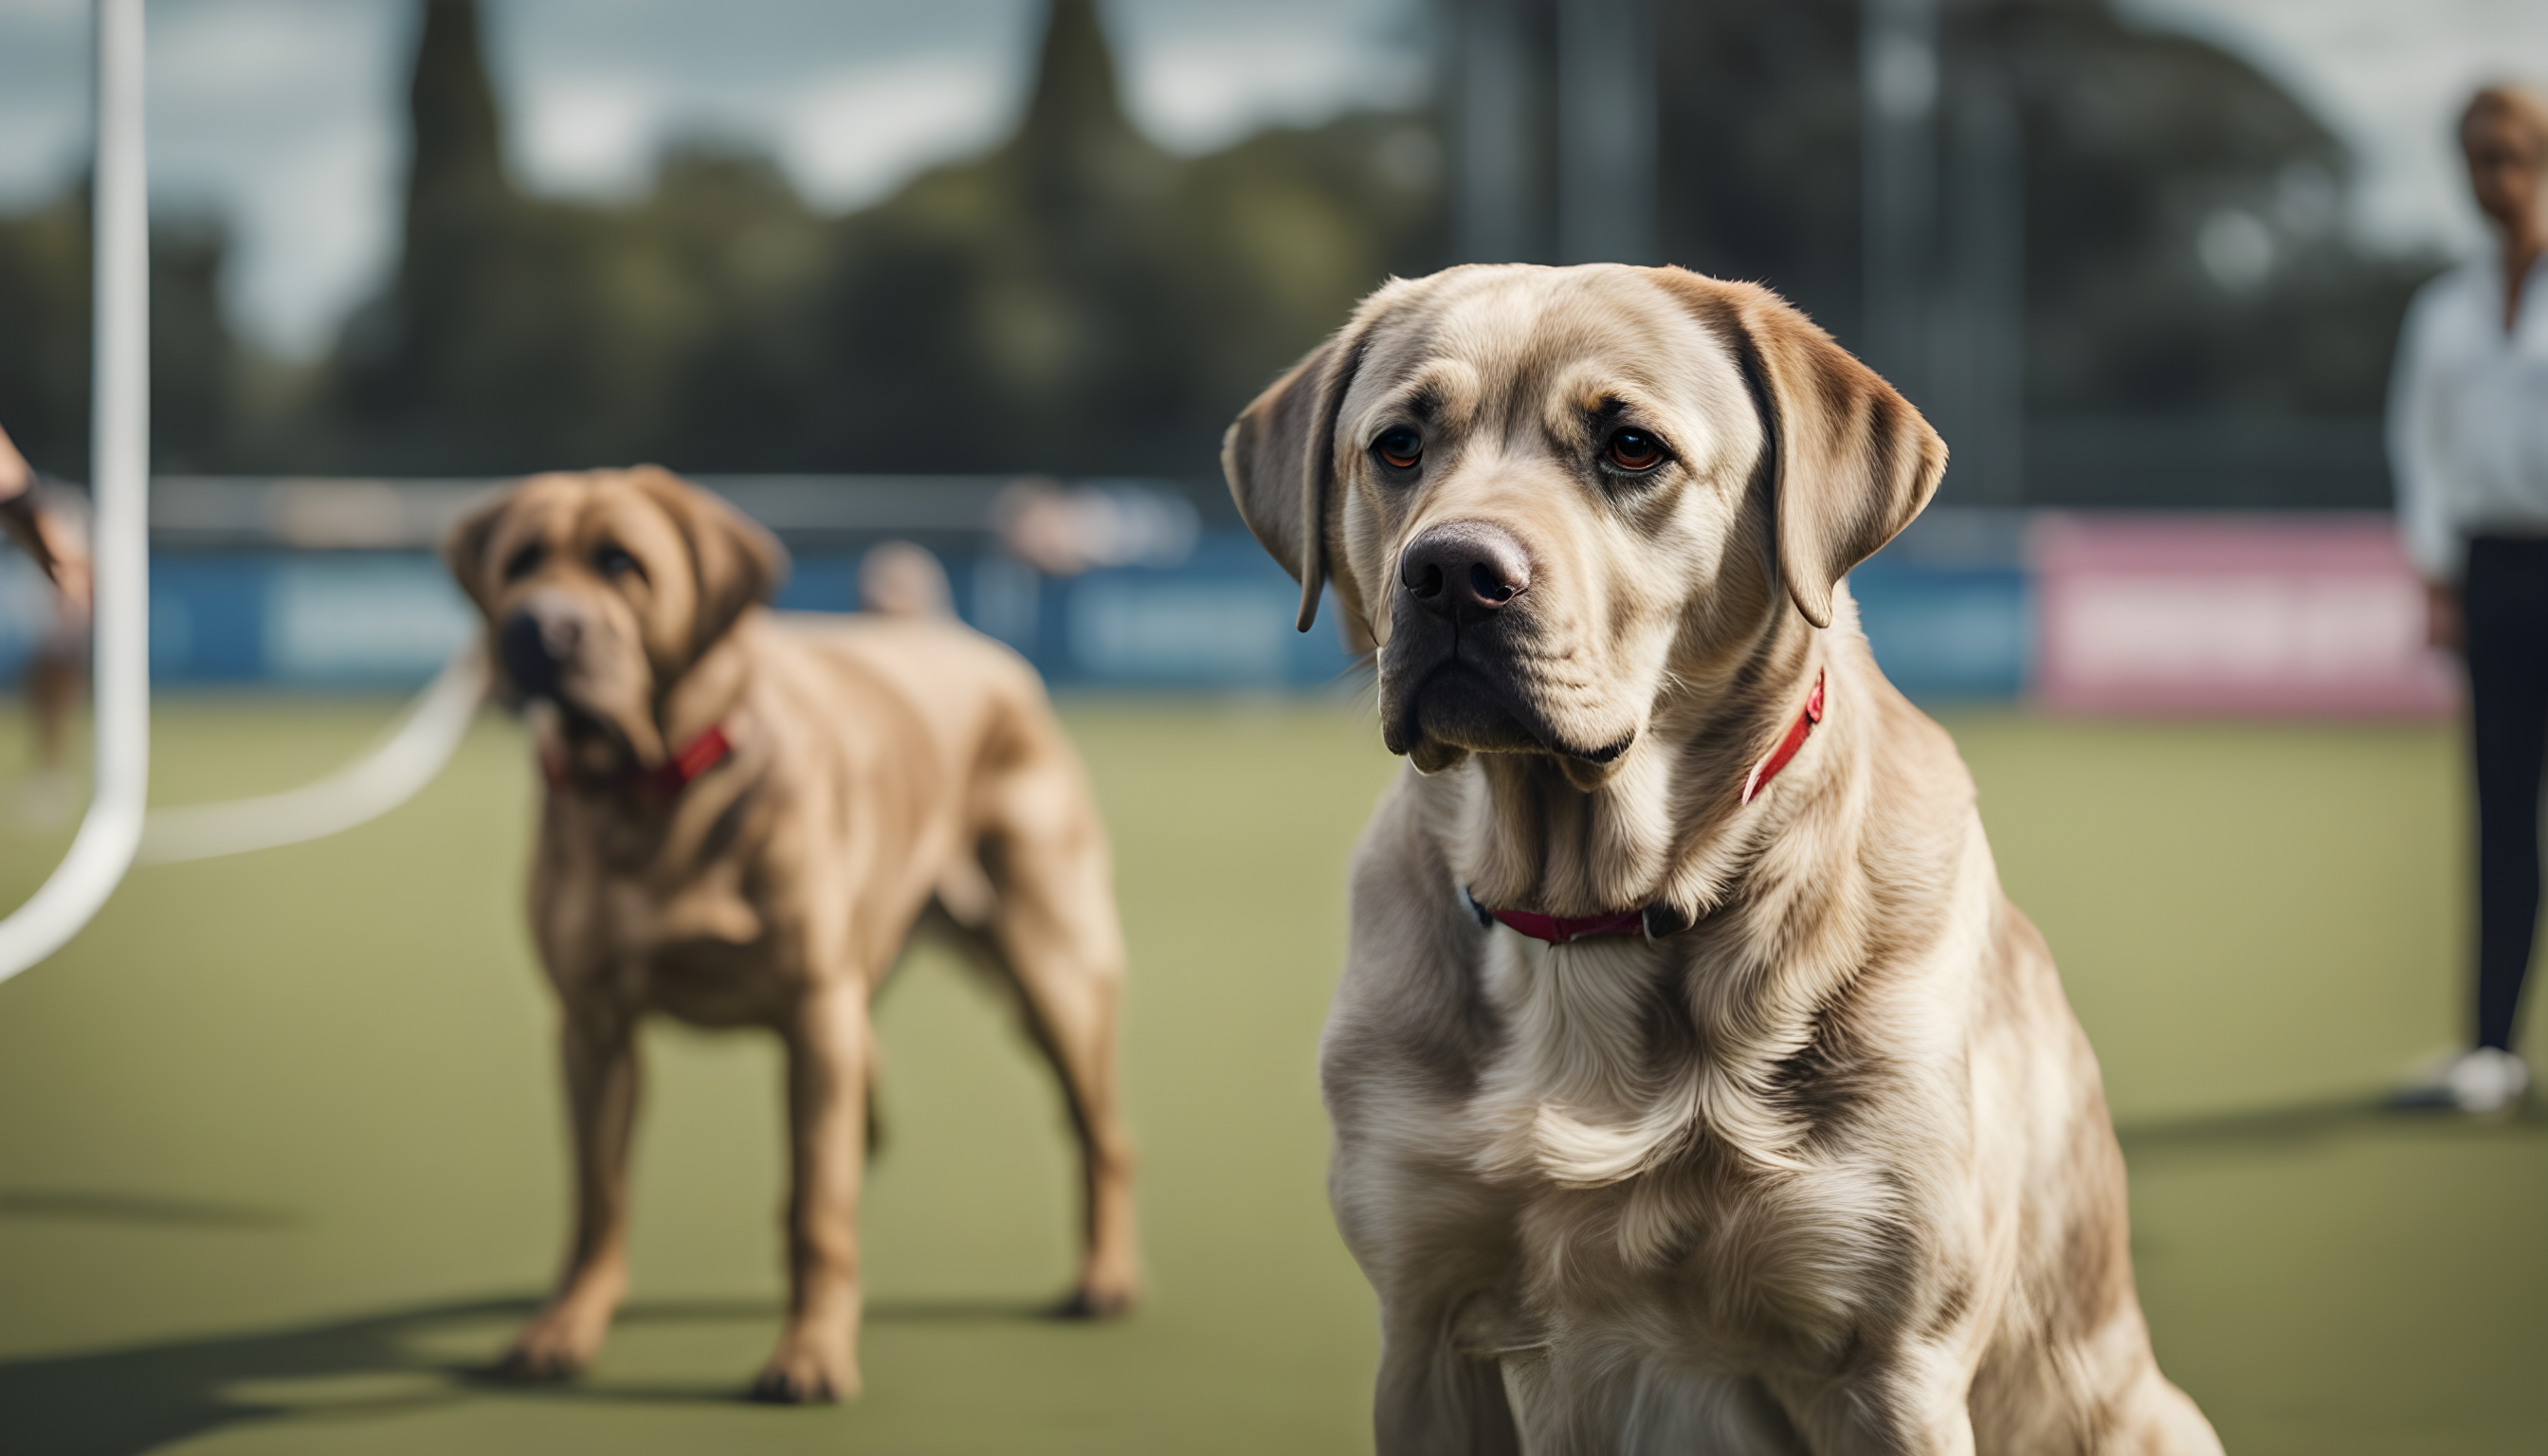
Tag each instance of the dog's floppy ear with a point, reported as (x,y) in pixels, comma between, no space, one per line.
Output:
(464,549)
(1280,458)
(736,562)
(1853,461)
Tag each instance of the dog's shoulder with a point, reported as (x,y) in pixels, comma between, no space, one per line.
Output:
(979,704)
(893,642)
(932,661)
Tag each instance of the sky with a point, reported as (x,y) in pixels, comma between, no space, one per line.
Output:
(284,118)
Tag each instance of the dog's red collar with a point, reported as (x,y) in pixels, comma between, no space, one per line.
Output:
(1798,732)
(664,781)
(1557,929)
(1658,921)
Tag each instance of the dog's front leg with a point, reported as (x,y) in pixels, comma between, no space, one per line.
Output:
(1435,1397)
(1916,1403)
(598,1052)
(827,1041)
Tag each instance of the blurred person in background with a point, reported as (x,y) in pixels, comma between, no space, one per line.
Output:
(903,578)
(2468,442)
(50,523)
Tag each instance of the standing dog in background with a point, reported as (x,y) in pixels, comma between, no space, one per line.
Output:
(1695,1087)
(747,816)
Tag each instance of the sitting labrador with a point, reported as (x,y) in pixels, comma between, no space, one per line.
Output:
(1695,1087)
(746,815)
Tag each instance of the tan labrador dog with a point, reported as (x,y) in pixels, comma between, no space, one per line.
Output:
(1695,1087)
(747,816)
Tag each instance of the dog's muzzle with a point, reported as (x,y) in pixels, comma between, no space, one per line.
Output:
(1460,623)
(535,646)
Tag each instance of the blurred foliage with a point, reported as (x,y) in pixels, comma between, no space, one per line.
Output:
(2144,153)
(2185,231)
(1080,301)
(195,370)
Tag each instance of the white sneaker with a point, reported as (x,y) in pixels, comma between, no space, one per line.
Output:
(2487,1080)
(2483,1080)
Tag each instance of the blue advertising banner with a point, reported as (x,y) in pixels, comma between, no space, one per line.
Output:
(1221,620)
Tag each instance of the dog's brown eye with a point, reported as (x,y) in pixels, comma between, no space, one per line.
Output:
(1634,449)
(612,560)
(525,561)
(1400,449)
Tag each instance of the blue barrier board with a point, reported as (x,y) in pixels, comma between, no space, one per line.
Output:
(1220,620)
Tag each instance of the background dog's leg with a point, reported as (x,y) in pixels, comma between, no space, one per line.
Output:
(598,1054)
(827,1083)
(1058,939)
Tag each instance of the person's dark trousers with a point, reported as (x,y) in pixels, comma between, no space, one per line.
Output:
(2505,608)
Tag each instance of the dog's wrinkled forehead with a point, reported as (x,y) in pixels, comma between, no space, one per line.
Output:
(1530,354)
(562,520)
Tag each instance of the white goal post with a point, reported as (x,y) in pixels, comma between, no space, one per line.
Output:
(120,477)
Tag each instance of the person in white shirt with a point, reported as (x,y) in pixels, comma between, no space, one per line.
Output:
(2468,444)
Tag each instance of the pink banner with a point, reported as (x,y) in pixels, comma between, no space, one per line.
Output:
(2280,616)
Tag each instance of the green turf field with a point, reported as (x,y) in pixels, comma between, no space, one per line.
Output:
(279,1156)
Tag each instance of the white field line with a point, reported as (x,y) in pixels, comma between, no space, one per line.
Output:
(406,760)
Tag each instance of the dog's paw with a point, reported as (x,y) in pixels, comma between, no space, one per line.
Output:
(530,1364)
(555,1347)
(807,1370)
(1091,1303)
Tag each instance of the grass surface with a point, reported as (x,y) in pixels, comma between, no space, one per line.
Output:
(279,1154)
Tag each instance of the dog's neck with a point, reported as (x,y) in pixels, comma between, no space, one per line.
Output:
(707,695)
(1667,831)
(695,720)
(1619,1050)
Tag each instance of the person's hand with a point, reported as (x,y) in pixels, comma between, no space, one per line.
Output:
(17,509)
(2443,630)
(15,475)
(64,555)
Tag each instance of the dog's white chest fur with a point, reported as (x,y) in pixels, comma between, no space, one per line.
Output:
(1578,1096)
(1653,1149)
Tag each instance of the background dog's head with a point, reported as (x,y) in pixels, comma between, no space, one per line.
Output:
(1551,494)
(601,590)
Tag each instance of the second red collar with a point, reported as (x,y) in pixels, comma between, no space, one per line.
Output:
(665,780)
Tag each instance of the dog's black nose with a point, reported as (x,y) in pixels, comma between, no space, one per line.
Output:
(535,649)
(1464,570)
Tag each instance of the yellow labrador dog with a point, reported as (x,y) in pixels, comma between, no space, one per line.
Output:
(746,815)
(1695,1087)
